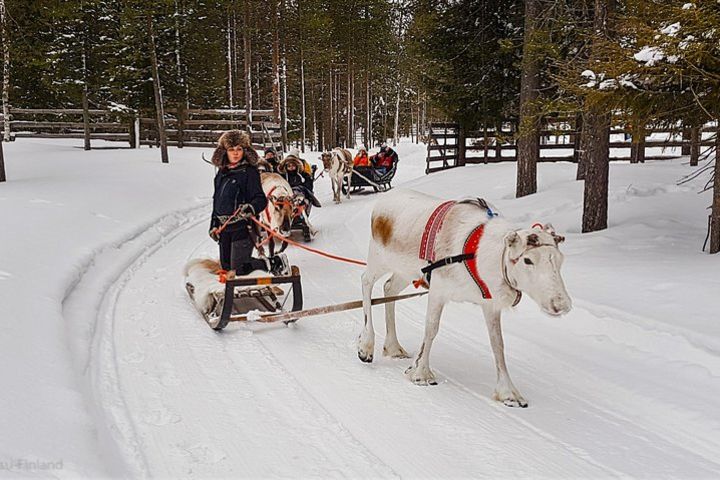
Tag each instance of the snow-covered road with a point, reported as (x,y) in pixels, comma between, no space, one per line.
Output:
(611,393)
(625,385)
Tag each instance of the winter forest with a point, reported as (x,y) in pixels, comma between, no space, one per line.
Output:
(591,126)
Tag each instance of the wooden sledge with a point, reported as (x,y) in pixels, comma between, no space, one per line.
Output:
(260,294)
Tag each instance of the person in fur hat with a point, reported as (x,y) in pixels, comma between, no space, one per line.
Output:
(292,169)
(238,189)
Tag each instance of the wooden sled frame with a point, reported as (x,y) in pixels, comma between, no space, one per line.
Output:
(227,316)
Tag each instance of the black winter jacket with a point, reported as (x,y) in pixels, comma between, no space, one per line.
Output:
(233,187)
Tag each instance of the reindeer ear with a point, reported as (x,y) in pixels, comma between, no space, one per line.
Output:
(533,240)
(512,239)
(551,230)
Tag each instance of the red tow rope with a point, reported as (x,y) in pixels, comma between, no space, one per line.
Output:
(305,247)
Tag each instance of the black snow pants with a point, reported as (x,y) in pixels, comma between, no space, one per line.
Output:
(236,252)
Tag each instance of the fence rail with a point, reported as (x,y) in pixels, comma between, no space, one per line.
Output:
(450,147)
(204,126)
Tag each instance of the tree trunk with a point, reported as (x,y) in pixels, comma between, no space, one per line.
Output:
(182,104)
(597,164)
(577,137)
(6,73)
(637,147)
(368,113)
(3,177)
(695,145)
(313,110)
(302,101)
(284,96)
(396,133)
(85,102)
(715,215)
(276,62)
(159,109)
(231,100)
(248,66)
(686,137)
(528,143)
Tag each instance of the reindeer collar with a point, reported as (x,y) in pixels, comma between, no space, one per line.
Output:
(506,278)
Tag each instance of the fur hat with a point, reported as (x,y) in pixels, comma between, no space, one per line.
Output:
(231,139)
(290,159)
(362,148)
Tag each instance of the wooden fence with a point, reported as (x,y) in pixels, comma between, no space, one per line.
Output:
(70,123)
(449,146)
(202,127)
(191,128)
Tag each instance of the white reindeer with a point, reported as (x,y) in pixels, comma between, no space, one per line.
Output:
(339,164)
(278,214)
(508,261)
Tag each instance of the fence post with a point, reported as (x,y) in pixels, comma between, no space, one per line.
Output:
(498,145)
(460,146)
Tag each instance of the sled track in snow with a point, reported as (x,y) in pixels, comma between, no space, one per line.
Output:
(98,288)
(179,399)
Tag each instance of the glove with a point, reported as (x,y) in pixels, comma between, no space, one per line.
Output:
(246,210)
(214,235)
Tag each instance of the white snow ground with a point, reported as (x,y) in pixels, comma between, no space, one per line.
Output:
(109,370)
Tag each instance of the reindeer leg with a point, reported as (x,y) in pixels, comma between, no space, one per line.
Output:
(505,391)
(313,232)
(420,373)
(392,347)
(366,342)
(347,177)
(336,196)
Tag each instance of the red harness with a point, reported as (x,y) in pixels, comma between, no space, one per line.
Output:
(467,257)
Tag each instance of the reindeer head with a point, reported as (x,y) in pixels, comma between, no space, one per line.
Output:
(280,209)
(299,204)
(532,263)
(326,158)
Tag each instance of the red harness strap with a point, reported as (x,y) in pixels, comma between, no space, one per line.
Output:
(467,257)
(432,227)
(267,209)
(471,245)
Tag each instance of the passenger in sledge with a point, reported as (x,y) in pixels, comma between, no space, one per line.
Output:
(293,170)
(384,160)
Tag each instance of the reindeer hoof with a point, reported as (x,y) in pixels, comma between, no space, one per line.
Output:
(421,376)
(512,400)
(365,357)
(395,352)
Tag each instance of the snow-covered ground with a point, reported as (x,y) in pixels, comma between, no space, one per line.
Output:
(109,371)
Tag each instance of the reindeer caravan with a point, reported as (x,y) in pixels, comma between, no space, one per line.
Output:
(353,174)
(454,250)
